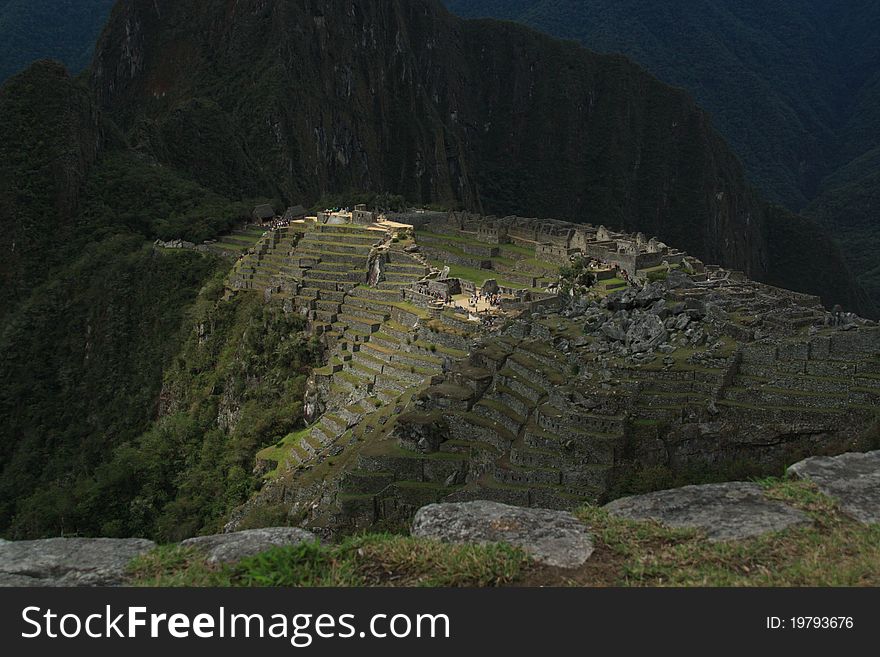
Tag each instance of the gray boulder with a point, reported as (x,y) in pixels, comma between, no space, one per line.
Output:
(724,512)
(69,561)
(614,331)
(679,279)
(229,548)
(853,480)
(646,334)
(682,322)
(553,538)
(650,294)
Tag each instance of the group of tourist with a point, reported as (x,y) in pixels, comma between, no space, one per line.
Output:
(494,300)
(280,222)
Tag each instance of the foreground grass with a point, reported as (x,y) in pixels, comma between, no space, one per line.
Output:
(833,551)
(374,560)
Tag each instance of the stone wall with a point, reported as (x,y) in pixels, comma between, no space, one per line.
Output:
(436,253)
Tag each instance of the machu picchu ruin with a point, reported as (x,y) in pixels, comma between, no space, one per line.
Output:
(538,363)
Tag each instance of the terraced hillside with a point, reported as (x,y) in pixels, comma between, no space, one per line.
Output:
(686,372)
(548,419)
(379,349)
(230,246)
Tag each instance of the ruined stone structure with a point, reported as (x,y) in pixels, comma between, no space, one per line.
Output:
(557,241)
(570,399)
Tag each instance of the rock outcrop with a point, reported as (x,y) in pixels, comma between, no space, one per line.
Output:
(724,512)
(69,561)
(233,547)
(72,562)
(853,480)
(553,538)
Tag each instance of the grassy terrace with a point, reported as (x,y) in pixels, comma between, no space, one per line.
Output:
(458,239)
(517,250)
(376,560)
(536,265)
(242,240)
(512,256)
(499,259)
(281,450)
(833,551)
(606,287)
(474,275)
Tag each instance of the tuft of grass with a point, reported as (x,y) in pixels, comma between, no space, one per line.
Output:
(834,551)
(370,560)
(176,566)
(308,564)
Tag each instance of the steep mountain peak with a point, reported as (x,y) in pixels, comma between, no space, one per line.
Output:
(299,99)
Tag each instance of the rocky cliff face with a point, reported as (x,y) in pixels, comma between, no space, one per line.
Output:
(301,98)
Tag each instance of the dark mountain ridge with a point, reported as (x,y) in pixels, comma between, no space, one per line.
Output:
(793,86)
(302,99)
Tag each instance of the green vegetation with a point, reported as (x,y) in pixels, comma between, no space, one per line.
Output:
(235,386)
(374,560)
(280,450)
(93,317)
(474,275)
(575,274)
(835,551)
(125,191)
(43,118)
(81,373)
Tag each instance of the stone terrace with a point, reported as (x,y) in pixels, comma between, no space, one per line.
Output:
(380,349)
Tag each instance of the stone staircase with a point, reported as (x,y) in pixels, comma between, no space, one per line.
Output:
(401,270)
(421,260)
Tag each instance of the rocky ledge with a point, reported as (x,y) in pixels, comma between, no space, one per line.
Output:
(69,561)
(731,511)
(553,538)
(104,561)
(229,548)
(853,480)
